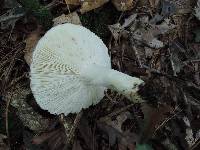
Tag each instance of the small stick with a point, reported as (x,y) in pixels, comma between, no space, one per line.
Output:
(73,128)
(195,145)
(166,120)
(67,7)
(7,110)
(65,124)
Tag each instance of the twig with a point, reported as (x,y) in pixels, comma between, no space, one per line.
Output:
(7,110)
(195,145)
(72,131)
(17,80)
(190,84)
(166,120)
(17,50)
(9,70)
(191,61)
(67,125)
(10,17)
(172,62)
(70,127)
(68,7)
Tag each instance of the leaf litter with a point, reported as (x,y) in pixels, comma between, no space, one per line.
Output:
(150,39)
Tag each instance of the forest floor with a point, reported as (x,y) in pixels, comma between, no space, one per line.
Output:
(156,40)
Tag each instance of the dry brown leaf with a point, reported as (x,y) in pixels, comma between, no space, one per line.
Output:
(70,18)
(31,42)
(153,117)
(43,137)
(113,127)
(124,5)
(55,139)
(154,3)
(90,5)
(115,29)
(117,123)
(77,145)
(73,2)
(147,33)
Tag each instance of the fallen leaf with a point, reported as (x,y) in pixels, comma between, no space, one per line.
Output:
(3,145)
(168,8)
(69,18)
(154,3)
(147,37)
(189,137)
(10,4)
(115,29)
(124,139)
(117,123)
(155,43)
(27,140)
(147,33)
(152,118)
(128,21)
(124,5)
(169,144)
(44,137)
(77,145)
(89,5)
(189,132)
(148,52)
(31,42)
(113,127)
(197,35)
(177,53)
(86,133)
(73,2)
(127,142)
(21,102)
(144,147)
(55,139)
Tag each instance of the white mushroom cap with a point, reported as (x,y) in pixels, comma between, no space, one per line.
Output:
(71,69)
(58,60)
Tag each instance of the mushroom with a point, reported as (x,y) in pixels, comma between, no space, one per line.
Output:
(71,69)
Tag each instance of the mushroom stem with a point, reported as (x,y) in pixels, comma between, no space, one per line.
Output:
(112,79)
